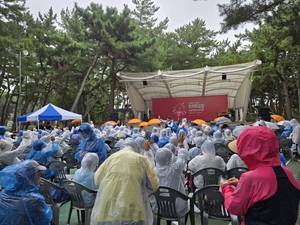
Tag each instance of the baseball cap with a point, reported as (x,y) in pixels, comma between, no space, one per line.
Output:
(36,165)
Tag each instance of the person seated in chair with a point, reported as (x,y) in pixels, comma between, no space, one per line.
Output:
(268,193)
(90,142)
(8,156)
(20,200)
(85,176)
(41,155)
(169,173)
(207,159)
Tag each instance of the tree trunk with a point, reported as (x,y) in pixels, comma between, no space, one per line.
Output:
(83,83)
(288,108)
(110,107)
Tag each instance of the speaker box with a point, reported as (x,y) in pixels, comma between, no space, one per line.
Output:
(265,114)
(114,116)
(224,76)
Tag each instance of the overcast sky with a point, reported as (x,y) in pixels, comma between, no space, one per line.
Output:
(179,12)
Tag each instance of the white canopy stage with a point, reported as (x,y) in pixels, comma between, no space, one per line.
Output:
(233,80)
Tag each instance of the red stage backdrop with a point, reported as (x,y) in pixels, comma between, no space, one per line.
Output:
(203,107)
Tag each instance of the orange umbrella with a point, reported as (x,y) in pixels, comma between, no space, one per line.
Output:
(218,118)
(154,121)
(277,118)
(111,122)
(134,120)
(76,121)
(143,124)
(199,122)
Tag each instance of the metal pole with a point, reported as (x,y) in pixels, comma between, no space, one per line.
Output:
(20,84)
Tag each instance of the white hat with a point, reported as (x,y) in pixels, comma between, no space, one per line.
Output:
(37,166)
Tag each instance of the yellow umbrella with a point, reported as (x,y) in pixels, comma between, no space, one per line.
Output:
(143,124)
(134,120)
(154,121)
(199,122)
(277,118)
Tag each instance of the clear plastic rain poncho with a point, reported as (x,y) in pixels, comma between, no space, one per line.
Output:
(155,130)
(198,133)
(125,181)
(218,138)
(208,159)
(235,161)
(228,136)
(26,134)
(20,201)
(193,152)
(85,176)
(11,157)
(7,137)
(91,143)
(148,154)
(45,137)
(169,174)
(295,135)
(135,132)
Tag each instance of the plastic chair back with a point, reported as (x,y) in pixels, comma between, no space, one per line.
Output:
(59,169)
(210,176)
(45,191)
(236,172)
(77,202)
(166,202)
(284,147)
(211,205)
(69,158)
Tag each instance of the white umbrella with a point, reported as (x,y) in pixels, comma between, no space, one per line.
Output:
(238,129)
(284,123)
(272,126)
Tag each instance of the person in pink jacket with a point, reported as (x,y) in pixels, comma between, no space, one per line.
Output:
(268,194)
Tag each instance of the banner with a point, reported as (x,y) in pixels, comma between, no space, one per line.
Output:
(203,107)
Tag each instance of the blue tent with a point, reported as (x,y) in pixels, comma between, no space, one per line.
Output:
(49,112)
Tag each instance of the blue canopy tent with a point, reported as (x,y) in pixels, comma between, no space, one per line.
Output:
(49,112)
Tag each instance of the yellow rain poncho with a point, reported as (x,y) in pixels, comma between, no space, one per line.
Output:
(125,181)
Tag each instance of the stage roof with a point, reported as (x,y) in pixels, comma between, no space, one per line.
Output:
(233,80)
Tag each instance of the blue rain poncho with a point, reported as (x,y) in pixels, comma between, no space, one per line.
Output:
(20,136)
(125,180)
(85,176)
(39,154)
(2,132)
(163,139)
(169,174)
(91,143)
(20,201)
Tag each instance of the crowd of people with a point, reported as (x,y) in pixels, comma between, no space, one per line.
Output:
(126,164)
